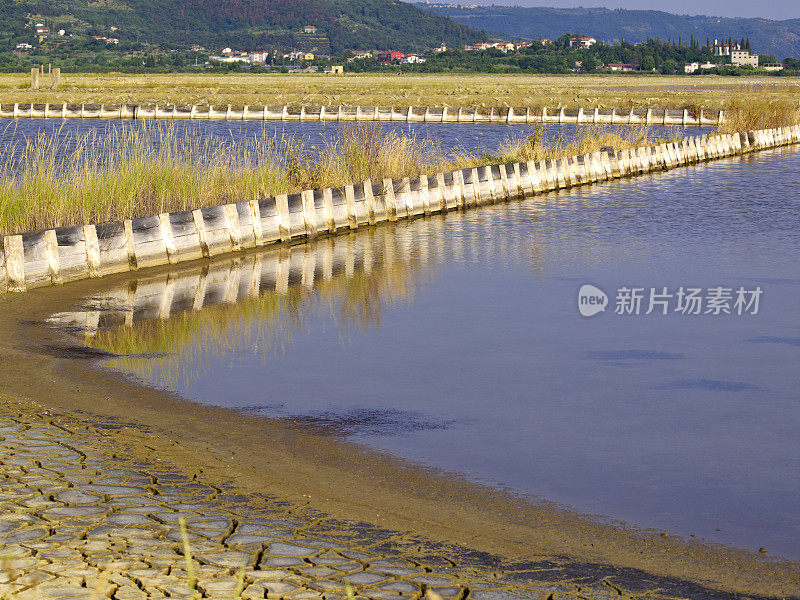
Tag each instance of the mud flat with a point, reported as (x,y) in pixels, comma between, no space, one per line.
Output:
(317,509)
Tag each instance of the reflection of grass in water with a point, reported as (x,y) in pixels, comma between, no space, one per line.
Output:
(265,323)
(362,300)
(186,338)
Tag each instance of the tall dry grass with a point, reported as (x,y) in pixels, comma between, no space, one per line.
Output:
(139,169)
(586,140)
(749,114)
(130,171)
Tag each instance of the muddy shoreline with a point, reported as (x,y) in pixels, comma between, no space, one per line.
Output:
(43,369)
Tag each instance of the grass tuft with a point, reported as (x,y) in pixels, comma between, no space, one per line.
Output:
(138,169)
(747,114)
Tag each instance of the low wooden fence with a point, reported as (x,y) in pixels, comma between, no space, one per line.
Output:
(422,114)
(54,256)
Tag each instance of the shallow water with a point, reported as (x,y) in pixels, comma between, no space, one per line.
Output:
(450,138)
(456,341)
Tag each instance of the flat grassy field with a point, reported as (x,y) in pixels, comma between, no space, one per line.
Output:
(604,91)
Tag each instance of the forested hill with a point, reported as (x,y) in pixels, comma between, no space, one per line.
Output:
(249,24)
(781,38)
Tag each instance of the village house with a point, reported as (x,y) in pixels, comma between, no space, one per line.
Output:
(390,57)
(581,42)
(442,48)
(309,29)
(413,59)
(299,55)
(622,67)
(360,56)
(24,46)
(740,58)
(41,29)
(504,47)
(694,66)
(725,49)
(773,67)
(230,56)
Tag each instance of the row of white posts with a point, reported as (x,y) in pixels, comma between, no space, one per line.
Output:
(57,255)
(646,116)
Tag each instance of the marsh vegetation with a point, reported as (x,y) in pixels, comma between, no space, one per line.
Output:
(138,169)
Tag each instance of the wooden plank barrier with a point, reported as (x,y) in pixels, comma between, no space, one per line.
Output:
(48,257)
(426,114)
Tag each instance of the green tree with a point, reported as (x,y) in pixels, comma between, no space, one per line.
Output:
(670,67)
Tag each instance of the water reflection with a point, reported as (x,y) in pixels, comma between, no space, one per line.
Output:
(459,340)
(256,302)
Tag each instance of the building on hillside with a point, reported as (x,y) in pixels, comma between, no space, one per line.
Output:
(413,59)
(360,56)
(107,40)
(504,47)
(442,48)
(694,66)
(621,67)
(24,46)
(582,42)
(231,57)
(197,48)
(41,29)
(741,58)
(725,49)
(309,29)
(390,57)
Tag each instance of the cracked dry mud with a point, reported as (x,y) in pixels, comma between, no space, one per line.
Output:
(80,520)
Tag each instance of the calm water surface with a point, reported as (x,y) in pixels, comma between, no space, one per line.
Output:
(456,341)
(15,134)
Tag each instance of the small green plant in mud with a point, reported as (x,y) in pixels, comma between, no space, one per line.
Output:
(187,555)
(191,580)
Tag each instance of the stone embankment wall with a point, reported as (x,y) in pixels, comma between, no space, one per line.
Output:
(422,114)
(54,256)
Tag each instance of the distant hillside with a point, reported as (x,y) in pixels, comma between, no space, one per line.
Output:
(781,38)
(248,24)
